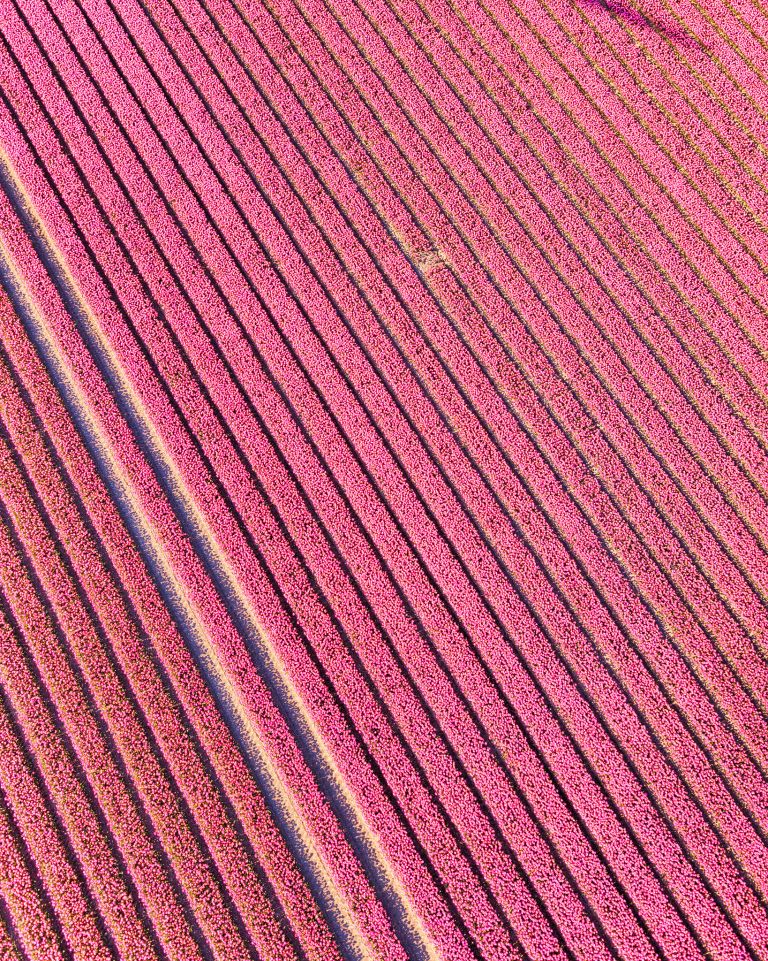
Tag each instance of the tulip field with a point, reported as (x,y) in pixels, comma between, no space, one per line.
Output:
(383,480)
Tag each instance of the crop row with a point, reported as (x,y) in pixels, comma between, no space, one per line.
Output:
(518,86)
(130,787)
(63,819)
(753,607)
(724,92)
(711,172)
(35,923)
(252,509)
(527,118)
(447,197)
(631,179)
(331,563)
(693,184)
(179,745)
(518,151)
(751,601)
(262,125)
(260,710)
(716,114)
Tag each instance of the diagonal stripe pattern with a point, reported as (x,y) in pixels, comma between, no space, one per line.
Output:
(383,480)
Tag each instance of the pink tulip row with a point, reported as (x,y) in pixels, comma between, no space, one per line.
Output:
(699,182)
(192,694)
(661,531)
(690,180)
(659,293)
(748,12)
(736,31)
(327,835)
(550,101)
(323,559)
(257,526)
(116,794)
(736,75)
(736,634)
(32,925)
(630,171)
(681,119)
(665,390)
(165,720)
(732,465)
(443,60)
(754,405)
(531,164)
(280,736)
(708,108)
(9,950)
(10,940)
(36,818)
(713,506)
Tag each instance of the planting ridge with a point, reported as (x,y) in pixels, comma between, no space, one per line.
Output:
(383,480)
